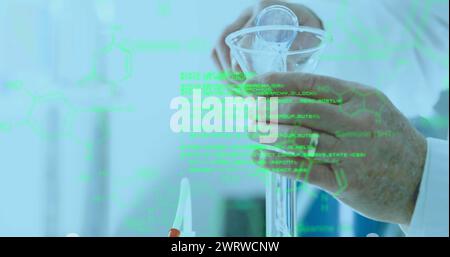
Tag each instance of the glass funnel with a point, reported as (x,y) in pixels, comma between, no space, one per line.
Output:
(302,55)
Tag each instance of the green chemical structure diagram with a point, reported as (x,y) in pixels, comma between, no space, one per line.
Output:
(21,101)
(15,90)
(342,183)
(114,51)
(364,108)
(340,176)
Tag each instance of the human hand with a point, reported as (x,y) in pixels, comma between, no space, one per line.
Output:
(221,52)
(381,181)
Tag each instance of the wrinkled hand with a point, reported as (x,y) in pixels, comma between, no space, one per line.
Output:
(221,53)
(368,155)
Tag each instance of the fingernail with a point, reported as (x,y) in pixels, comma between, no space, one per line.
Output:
(253,136)
(256,155)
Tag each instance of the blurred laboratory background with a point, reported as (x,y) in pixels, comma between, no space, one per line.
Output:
(85,141)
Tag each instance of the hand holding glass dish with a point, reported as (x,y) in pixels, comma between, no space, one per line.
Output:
(277,44)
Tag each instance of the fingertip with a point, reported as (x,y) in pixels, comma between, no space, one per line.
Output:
(256,156)
(253,136)
(252,80)
(271,77)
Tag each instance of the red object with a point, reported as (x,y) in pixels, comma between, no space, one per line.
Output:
(173,232)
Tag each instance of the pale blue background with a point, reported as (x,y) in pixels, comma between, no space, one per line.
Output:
(52,155)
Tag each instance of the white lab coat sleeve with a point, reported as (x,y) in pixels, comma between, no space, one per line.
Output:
(430,217)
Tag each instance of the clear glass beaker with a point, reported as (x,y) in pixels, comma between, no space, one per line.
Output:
(302,55)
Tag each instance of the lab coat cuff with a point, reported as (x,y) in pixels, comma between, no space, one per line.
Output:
(430,217)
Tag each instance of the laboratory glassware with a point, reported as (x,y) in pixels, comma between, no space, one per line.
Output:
(182,224)
(278,44)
